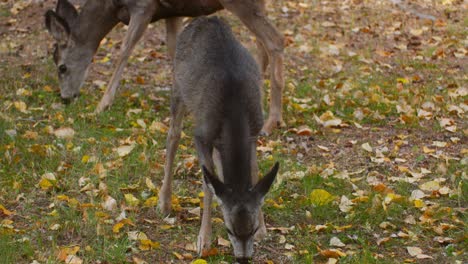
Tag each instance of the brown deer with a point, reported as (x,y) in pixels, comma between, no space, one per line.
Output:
(218,82)
(78,35)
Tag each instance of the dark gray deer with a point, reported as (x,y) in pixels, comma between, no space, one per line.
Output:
(218,82)
(78,36)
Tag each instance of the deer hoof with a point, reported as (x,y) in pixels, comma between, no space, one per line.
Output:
(203,245)
(164,208)
(271,124)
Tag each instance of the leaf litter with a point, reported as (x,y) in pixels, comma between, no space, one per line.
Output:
(366,146)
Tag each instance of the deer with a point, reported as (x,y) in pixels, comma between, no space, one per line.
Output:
(79,34)
(218,82)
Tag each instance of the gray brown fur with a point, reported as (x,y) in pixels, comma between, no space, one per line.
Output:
(78,35)
(218,82)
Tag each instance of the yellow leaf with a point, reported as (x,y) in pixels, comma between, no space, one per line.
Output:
(320,197)
(178,256)
(151,202)
(116,228)
(332,253)
(47,88)
(45,184)
(430,186)
(21,106)
(85,159)
(199,261)
(65,251)
(166,227)
(427,150)
(418,203)
(147,244)
(131,200)
(402,80)
(63,197)
(30,135)
(150,184)
(4,211)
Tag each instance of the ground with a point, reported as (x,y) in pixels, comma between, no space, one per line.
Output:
(373,155)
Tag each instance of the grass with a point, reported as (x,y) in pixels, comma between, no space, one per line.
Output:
(378,228)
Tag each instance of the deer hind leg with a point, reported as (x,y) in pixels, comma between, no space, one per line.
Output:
(138,23)
(262,57)
(205,154)
(173,26)
(252,14)
(173,137)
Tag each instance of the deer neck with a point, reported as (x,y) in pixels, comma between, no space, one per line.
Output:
(95,21)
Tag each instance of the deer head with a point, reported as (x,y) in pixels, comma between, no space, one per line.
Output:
(71,55)
(241,210)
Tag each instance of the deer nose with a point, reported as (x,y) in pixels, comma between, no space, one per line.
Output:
(66,100)
(243,260)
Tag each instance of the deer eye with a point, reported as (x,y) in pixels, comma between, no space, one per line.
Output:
(62,69)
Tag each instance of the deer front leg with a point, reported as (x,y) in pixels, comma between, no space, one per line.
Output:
(252,14)
(173,26)
(173,137)
(205,153)
(138,24)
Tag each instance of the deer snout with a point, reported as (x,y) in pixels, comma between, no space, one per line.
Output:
(68,99)
(243,260)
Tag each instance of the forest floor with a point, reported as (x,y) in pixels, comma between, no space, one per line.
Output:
(373,155)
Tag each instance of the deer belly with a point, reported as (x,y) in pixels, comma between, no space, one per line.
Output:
(190,8)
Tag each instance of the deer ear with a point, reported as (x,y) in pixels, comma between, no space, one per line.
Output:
(215,185)
(263,186)
(67,11)
(57,27)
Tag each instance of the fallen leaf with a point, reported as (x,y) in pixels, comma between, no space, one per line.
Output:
(21,106)
(414,251)
(367,147)
(147,244)
(430,186)
(336,242)
(223,242)
(72,259)
(158,126)
(131,200)
(151,202)
(64,133)
(138,261)
(124,150)
(304,131)
(199,261)
(109,204)
(332,253)
(4,211)
(345,204)
(209,252)
(320,197)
